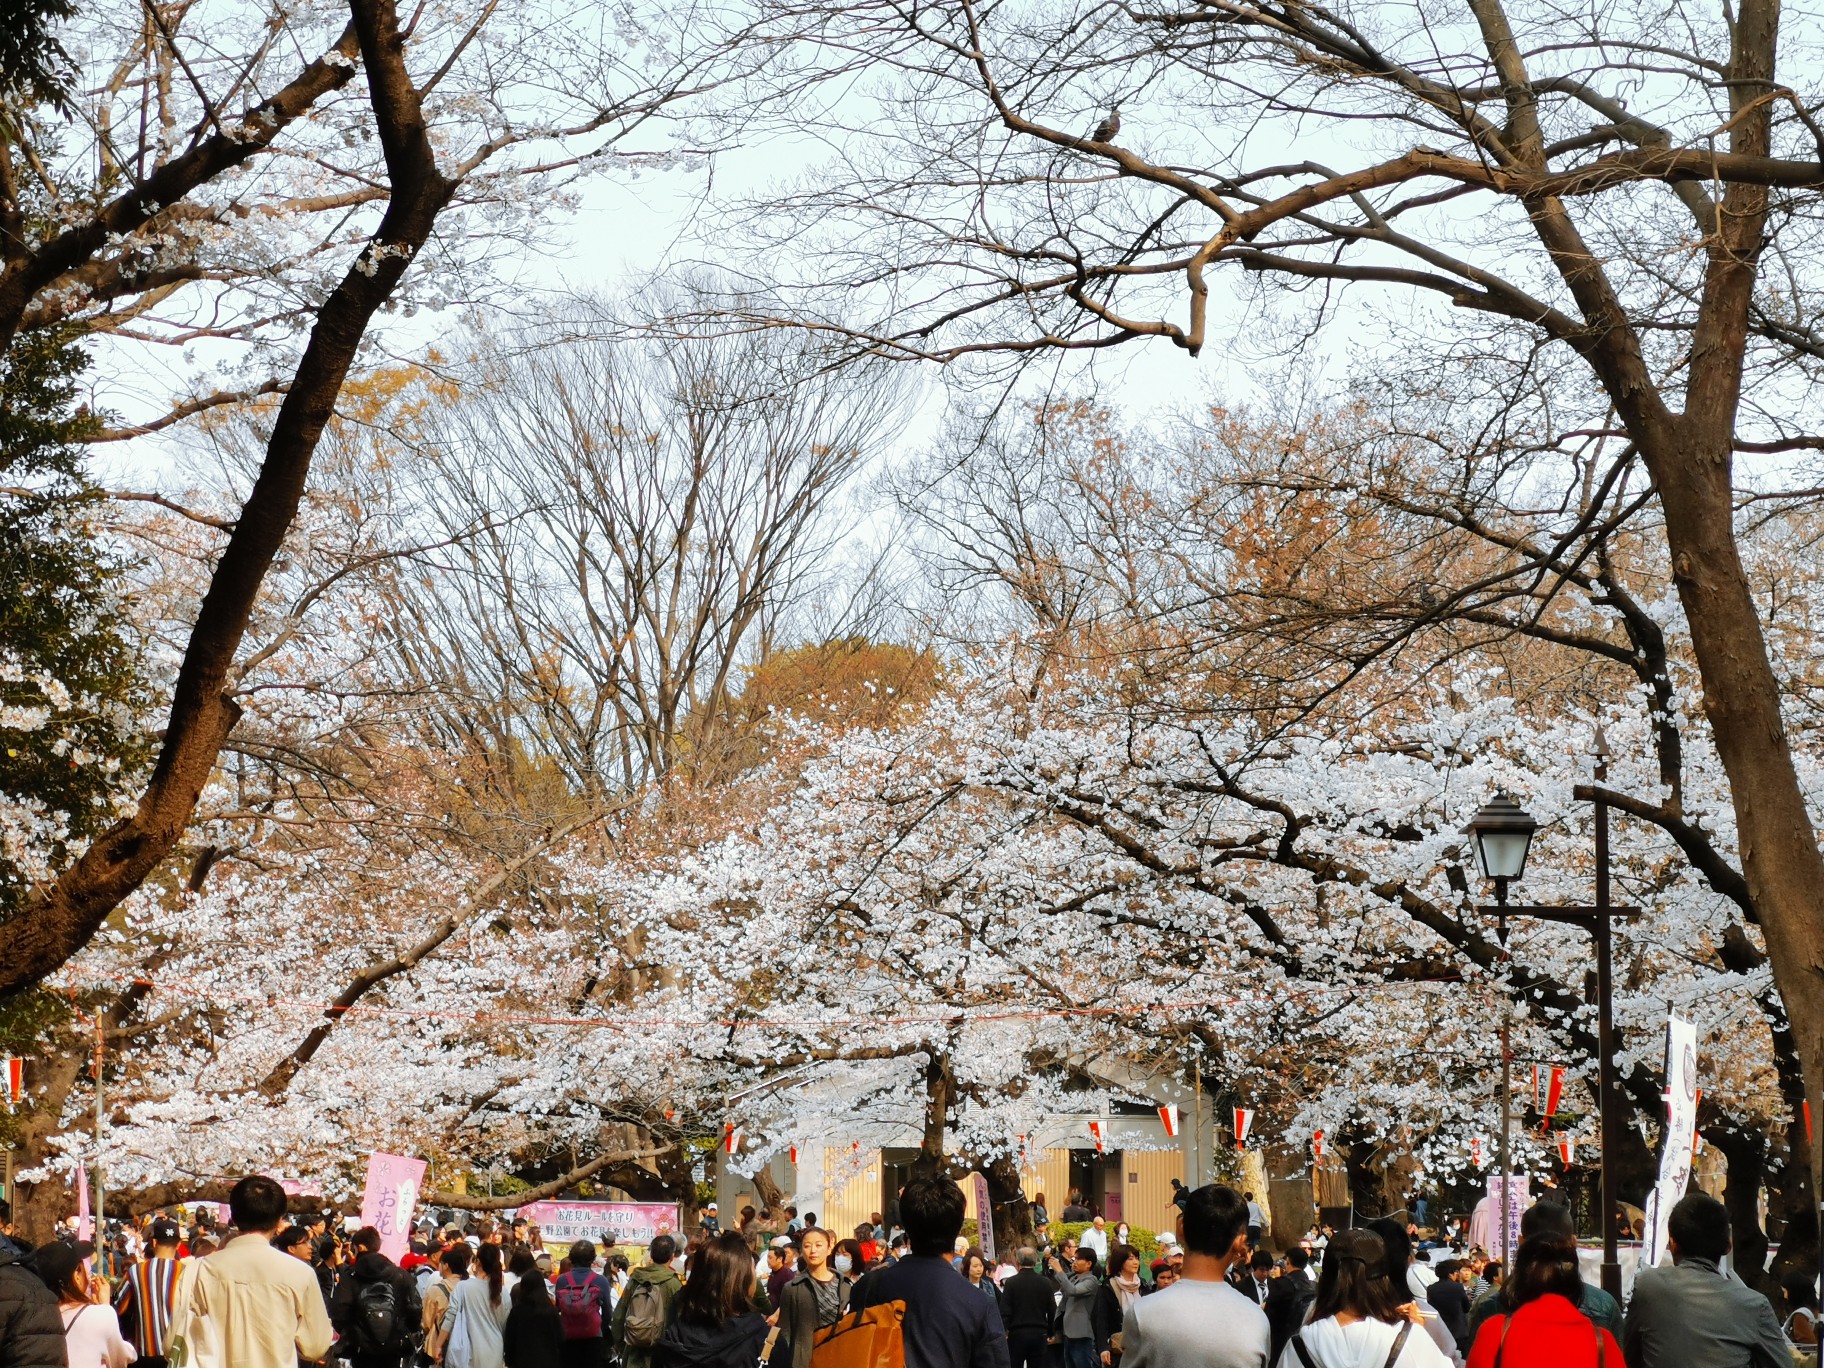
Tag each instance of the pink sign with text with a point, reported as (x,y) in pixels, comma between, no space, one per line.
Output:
(388,1201)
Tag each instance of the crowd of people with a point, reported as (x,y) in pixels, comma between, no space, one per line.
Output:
(268,1292)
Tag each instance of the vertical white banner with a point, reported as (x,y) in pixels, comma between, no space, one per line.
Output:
(1681,1127)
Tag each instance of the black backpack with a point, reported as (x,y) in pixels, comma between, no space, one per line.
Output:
(382,1323)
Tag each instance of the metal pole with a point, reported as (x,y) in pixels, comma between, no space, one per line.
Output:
(1507,1108)
(1197,1121)
(1605,1036)
(100,1126)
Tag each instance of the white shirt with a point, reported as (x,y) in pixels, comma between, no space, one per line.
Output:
(1255,1215)
(1096,1240)
(92,1338)
(1196,1324)
(1360,1344)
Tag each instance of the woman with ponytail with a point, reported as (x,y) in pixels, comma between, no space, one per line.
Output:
(478,1315)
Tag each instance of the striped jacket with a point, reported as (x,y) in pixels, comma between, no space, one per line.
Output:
(144,1304)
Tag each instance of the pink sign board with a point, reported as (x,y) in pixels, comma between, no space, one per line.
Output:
(632,1223)
(388,1201)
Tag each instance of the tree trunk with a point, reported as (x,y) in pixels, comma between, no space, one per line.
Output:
(940,1097)
(1011,1215)
(52,1076)
(1747,1156)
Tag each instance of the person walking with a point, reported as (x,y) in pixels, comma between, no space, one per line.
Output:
(533,1336)
(1028,1311)
(1200,1321)
(1357,1317)
(147,1293)
(1693,1312)
(948,1324)
(91,1332)
(31,1330)
(1543,1218)
(712,1321)
(814,1300)
(981,1277)
(1078,1283)
(376,1309)
(1120,1289)
(641,1316)
(585,1308)
(247,1305)
(477,1314)
(1545,1328)
(452,1266)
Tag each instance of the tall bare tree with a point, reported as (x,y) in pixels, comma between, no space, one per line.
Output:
(1627,188)
(225,186)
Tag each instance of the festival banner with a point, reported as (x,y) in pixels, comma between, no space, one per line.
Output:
(731,1138)
(631,1223)
(1567,1146)
(1317,1146)
(1554,1094)
(1681,1130)
(1168,1117)
(1095,1129)
(1518,1192)
(984,1219)
(12,1079)
(1244,1118)
(389,1199)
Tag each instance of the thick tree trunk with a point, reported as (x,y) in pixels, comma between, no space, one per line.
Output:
(37,1207)
(1747,1156)
(1011,1217)
(940,1098)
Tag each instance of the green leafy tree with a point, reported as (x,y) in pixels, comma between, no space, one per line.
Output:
(71,690)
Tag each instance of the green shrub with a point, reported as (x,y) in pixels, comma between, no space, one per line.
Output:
(1144,1241)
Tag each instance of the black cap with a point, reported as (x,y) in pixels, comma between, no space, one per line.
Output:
(57,1260)
(166,1231)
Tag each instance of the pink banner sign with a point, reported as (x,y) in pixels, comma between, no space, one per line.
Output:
(390,1197)
(632,1223)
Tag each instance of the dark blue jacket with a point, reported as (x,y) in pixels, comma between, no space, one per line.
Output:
(949,1323)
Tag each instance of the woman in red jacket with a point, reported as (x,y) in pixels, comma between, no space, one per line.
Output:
(1545,1330)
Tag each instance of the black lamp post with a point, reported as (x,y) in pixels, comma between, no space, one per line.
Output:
(1503,833)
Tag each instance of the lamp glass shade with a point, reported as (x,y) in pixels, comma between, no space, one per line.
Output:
(1504,832)
(1502,853)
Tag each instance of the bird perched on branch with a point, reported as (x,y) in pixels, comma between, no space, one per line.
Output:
(1106,130)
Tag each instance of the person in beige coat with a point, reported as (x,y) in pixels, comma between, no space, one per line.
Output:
(248,1305)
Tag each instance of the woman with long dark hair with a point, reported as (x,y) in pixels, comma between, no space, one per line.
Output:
(478,1312)
(533,1336)
(714,1322)
(1357,1316)
(1545,1329)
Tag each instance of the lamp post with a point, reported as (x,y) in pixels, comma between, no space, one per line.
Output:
(1503,833)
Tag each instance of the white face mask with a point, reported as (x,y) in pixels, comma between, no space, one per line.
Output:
(842,1263)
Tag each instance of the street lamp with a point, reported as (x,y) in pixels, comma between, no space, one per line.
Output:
(1503,833)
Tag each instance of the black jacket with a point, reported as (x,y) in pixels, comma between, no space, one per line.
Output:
(733,1344)
(533,1336)
(343,1308)
(1029,1304)
(1289,1296)
(1450,1299)
(31,1329)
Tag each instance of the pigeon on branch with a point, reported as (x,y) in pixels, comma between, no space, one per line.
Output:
(1106,130)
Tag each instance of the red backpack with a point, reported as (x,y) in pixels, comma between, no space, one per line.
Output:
(580,1304)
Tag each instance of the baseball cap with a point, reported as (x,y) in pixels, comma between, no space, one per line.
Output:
(58,1259)
(782,1242)
(1165,1237)
(710,1207)
(166,1229)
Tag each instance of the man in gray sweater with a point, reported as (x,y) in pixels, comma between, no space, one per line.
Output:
(1201,1322)
(1693,1315)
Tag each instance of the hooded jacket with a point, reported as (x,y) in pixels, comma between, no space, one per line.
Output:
(373,1267)
(31,1330)
(735,1343)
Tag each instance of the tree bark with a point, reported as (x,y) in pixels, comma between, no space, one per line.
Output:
(1011,1217)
